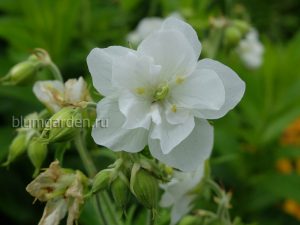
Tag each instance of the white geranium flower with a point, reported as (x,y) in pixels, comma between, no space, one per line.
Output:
(251,50)
(55,94)
(178,192)
(146,26)
(161,95)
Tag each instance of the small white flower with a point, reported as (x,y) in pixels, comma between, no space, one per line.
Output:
(146,26)
(178,193)
(55,94)
(161,95)
(251,50)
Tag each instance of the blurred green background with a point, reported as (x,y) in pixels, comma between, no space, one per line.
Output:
(257,146)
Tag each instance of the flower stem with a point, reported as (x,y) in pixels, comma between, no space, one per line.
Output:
(91,170)
(55,71)
(105,209)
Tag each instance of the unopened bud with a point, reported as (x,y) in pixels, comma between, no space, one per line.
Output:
(190,220)
(101,180)
(22,72)
(243,26)
(16,148)
(37,152)
(232,36)
(145,188)
(120,191)
(63,125)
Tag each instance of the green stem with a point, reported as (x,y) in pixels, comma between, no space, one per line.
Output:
(55,71)
(105,209)
(91,170)
(85,157)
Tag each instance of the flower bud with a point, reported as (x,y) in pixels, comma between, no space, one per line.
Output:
(16,148)
(145,188)
(232,36)
(242,26)
(37,152)
(190,220)
(22,72)
(63,125)
(101,180)
(120,191)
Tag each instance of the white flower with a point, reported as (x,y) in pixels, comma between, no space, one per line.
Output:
(161,95)
(178,192)
(55,94)
(251,50)
(146,26)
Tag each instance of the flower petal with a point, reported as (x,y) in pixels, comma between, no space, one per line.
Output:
(186,29)
(170,135)
(136,73)
(171,50)
(55,210)
(136,109)
(181,208)
(76,91)
(176,114)
(203,89)
(166,200)
(50,93)
(113,135)
(191,152)
(100,66)
(234,87)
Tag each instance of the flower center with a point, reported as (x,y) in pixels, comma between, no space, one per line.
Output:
(161,93)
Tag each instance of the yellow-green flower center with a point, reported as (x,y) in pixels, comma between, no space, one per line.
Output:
(161,93)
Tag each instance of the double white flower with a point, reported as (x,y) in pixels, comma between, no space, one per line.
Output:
(161,95)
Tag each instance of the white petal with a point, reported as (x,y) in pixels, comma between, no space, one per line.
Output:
(203,89)
(147,25)
(176,114)
(113,135)
(155,113)
(181,208)
(100,66)
(166,200)
(172,51)
(136,109)
(186,29)
(191,152)
(234,87)
(134,72)
(54,212)
(51,93)
(170,135)
(75,90)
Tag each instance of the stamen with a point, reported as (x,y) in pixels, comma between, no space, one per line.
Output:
(140,90)
(174,108)
(179,79)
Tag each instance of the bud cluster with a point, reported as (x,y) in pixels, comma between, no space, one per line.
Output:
(130,175)
(27,139)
